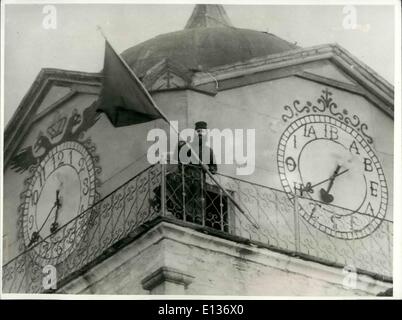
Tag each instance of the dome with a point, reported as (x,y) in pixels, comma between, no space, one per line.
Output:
(208,41)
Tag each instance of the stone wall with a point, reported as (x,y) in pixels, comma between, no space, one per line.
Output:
(171,259)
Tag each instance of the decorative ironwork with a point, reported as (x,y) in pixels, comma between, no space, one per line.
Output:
(91,234)
(185,193)
(277,218)
(326,104)
(192,197)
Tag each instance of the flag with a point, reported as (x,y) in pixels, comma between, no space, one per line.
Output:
(123,97)
(125,101)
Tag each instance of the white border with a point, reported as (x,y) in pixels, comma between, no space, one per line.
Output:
(397,277)
(397,268)
(2,16)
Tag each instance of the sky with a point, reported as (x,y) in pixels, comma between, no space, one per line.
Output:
(76,44)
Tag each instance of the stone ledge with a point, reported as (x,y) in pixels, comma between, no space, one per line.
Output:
(169,276)
(266,257)
(166,274)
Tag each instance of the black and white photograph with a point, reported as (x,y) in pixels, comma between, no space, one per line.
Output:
(223,149)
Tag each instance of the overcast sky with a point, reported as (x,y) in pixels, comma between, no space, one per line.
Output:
(76,44)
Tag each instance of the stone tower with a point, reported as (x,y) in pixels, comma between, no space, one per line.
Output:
(81,197)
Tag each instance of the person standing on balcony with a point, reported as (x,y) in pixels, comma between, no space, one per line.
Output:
(186,184)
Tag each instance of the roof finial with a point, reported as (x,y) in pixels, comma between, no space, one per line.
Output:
(208,15)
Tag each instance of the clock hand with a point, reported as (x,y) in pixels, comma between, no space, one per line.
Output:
(332,179)
(35,234)
(325,195)
(310,188)
(54,226)
(57,204)
(321,182)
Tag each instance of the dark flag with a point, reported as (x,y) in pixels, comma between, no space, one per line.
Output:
(126,101)
(123,97)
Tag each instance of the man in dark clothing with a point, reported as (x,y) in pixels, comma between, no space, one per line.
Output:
(186,182)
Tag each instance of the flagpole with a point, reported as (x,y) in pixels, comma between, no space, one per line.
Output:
(164,117)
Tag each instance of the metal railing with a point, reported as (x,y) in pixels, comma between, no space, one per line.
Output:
(283,225)
(185,193)
(87,237)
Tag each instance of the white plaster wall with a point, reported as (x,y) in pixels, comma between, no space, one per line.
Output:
(122,151)
(260,107)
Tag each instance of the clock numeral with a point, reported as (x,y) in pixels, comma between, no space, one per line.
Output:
(41,175)
(334,222)
(298,187)
(312,210)
(313,205)
(81,164)
(57,160)
(34,198)
(353,147)
(294,142)
(54,163)
(374,188)
(60,157)
(368,166)
(331,132)
(71,156)
(30,222)
(370,210)
(290,164)
(309,131)
(85,190)
(352,222)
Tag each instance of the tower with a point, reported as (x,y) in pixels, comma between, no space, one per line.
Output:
(317,206)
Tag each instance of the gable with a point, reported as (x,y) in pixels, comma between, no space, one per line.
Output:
(54,95)
(168,80)
(51,89)
(166,75)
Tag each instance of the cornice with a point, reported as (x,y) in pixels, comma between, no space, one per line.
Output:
(366,77)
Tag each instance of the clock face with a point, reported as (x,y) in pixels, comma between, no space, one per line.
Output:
(340,179)
(61,187)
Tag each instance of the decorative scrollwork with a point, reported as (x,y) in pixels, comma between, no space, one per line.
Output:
(349,121)
(326,104)
(298,110)
(363,129)
(286,117)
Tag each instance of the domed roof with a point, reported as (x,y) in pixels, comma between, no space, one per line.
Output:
(208,41)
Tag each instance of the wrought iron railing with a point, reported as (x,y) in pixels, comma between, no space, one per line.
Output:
(87,237)
(186,193)
(280,225)
(273,219)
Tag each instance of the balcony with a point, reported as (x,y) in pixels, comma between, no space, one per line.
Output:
(186,195)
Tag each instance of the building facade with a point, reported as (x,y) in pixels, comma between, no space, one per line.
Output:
(81,198)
